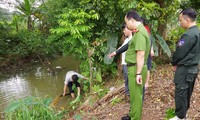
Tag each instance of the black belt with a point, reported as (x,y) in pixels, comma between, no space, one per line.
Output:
(131,64)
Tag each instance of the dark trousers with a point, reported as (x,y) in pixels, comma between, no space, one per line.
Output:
(70,84)
(184,80)
(125,75)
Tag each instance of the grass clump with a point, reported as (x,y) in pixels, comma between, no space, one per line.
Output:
(32,108)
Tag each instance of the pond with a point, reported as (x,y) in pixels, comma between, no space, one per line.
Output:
(38,81)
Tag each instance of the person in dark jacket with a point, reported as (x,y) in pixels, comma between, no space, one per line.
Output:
(185,62)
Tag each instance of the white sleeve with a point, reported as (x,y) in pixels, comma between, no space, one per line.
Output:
(79,75)
(66,80)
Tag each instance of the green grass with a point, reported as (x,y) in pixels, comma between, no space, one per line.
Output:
(32,108)
(116,100)
(170,113)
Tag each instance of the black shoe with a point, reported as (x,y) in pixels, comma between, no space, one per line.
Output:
(126,118)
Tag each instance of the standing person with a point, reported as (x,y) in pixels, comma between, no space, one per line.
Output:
(136,59)
(149,60)
(70,79)
(185,62)
(128,35)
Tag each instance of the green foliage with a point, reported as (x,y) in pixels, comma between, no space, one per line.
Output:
(32,43)
(4,14)
(99,91)
(86,85)
(174,36)
(78,98)
(127,4)
(82,25)
(77,117)
(75,30)
(98,77)
(170,113)
(116,100)
(26,8)
(111,46)
(16,41)
(163,44)
(190,3)
(81,29)
(32,108)
(78,26)
(158,14)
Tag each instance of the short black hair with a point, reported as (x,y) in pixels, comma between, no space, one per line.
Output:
(189,12)
(133,14)
(75,78)
(123,26)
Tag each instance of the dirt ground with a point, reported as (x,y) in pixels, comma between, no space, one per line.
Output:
(158,98)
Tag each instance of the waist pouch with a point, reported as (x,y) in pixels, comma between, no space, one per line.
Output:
(192,73)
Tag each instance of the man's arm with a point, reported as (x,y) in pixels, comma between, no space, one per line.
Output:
(182,50)
(64,89)
(140,62)
(79,90)
(122,49)
(119,51)
(81,76)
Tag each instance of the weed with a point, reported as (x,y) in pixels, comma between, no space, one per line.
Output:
(116,100)
(170,113)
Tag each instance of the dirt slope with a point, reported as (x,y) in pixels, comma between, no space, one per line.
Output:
(158,98)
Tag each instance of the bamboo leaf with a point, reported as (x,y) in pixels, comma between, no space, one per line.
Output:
(164,45)
(112,40)
(155,46)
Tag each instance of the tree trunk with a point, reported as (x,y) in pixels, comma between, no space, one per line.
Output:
(29,23)
(162,25)
(90,52)
(91,74)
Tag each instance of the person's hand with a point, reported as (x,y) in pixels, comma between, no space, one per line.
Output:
(111,54)
(139,79)
(146,85)
(77,99)
(152,53)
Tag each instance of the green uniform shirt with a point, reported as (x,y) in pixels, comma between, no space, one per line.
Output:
(188,48)
(139,41)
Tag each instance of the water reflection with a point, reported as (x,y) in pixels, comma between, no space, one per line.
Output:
(13,88)
(38,82)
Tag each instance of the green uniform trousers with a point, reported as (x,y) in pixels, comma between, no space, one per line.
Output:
(184,80)
(136,92)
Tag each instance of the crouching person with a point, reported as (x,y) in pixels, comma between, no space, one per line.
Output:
(70,79)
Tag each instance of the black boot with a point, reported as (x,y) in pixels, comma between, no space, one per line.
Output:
(127,117)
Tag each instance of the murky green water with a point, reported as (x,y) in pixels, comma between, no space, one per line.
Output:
(37,82)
